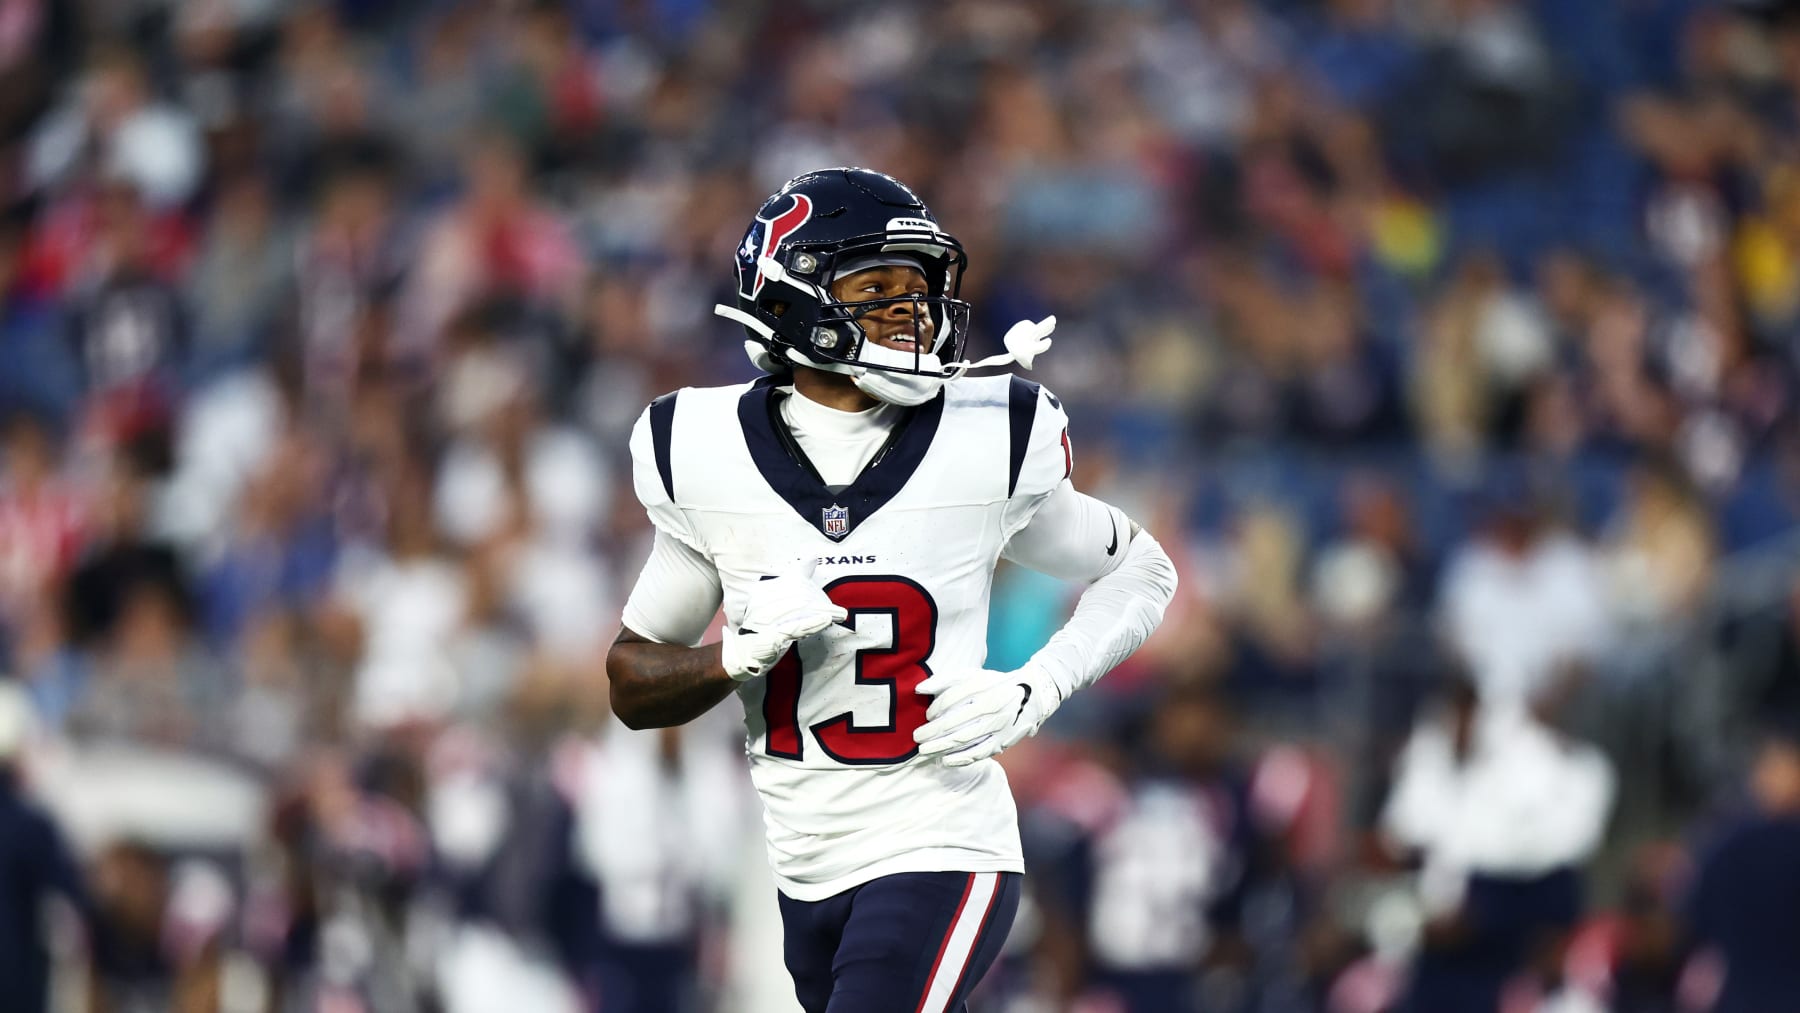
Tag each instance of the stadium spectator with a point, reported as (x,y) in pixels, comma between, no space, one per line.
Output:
(113,128)
(349,261)
(125,550)
(1659,554)
(1746,893)
(1500,811)
(151,682)
(279,553)
(240,275)
(42,523)
(1521,603)
(43,376)
(496,242)
(125,321)
(1776,682)
(397,609)
(642,806)
(38,48)
(1375,568)
(40,866)
(1151,880)
(1631,961)
(507,464)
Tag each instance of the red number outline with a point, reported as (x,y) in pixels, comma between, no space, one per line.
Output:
(840,736)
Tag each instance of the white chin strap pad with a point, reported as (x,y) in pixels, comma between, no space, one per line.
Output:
(1024,341)
(894,388)
(898,388)
(875,354)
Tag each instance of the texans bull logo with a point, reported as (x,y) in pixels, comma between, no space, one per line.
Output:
(777,229)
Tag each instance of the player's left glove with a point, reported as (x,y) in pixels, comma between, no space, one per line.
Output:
(975,713)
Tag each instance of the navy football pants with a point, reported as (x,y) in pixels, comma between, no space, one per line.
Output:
(914,942)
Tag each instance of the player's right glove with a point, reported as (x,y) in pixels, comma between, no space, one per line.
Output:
(780,611)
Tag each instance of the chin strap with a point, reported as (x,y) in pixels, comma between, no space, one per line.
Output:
(733,313)
(758,351)
(1024,341)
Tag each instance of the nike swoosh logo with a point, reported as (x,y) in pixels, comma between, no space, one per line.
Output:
(1113,549)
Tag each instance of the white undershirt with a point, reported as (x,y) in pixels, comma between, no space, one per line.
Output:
(839,444)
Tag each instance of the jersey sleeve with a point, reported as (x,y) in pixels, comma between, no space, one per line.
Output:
(676,595)
(1039,457)
(1072,536)
(653,473)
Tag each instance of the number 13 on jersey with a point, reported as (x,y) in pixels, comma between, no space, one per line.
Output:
(898,666)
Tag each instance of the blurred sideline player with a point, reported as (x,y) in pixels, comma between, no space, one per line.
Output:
(848,510)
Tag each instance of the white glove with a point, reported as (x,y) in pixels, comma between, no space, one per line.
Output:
(975,713)
(780,611)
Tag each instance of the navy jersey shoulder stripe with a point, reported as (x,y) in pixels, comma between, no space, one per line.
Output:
(662,427)
(1022,403)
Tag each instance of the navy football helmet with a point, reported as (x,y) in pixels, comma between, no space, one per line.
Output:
(816,227)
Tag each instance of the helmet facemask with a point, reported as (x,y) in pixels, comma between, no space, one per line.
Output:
(795,302)
(844,335)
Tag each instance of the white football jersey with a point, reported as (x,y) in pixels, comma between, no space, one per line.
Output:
(909,549)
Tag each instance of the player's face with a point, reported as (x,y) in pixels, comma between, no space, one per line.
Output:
(903,325)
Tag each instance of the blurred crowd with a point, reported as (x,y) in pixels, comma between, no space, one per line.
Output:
(1451,346)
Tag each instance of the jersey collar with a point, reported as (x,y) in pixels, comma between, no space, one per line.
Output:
(834,515)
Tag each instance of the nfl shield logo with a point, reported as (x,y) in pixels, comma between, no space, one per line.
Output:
(837,521)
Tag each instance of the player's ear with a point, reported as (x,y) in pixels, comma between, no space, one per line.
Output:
(778,308)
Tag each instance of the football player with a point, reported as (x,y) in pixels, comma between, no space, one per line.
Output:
(847,510)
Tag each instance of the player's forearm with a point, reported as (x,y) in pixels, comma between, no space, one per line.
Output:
(662,685)
(1114,617)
